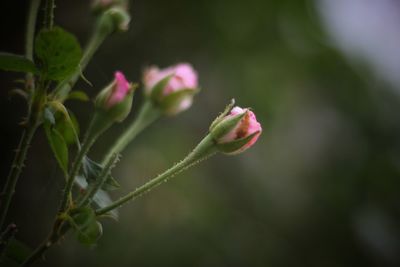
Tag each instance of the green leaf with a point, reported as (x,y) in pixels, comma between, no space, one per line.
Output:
(67,127)
(12,62)
(15,253)
(92,171)
(58,146)
(88,230)
(90,234)
(82,217)
(78,95)
(101,199)
(66,123)
(58,53)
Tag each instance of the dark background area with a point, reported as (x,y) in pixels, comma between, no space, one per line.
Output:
(320,188)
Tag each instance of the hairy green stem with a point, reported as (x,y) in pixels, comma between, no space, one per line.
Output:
(28,133)
(100,181)
(147,115)
(37,253)
(49,14)
(16,168)
(45,245)
(203,150)
(96,127)
(87,144)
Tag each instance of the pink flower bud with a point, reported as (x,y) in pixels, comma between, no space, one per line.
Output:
(235,136)
(116,98)
(120,89)
(179,80)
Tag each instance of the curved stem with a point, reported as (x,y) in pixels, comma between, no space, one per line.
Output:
(44,246)
(37,253)
(204,149)
(16,168)
(147,115)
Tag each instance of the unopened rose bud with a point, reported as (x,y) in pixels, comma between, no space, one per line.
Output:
(113,19)
(116,98)
(172,89)
(235,131)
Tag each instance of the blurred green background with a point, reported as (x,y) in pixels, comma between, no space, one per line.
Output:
(320,188)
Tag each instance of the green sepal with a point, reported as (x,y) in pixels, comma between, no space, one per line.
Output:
(156,93)
(68,127)
(114,19)
(12,62)
(66,123)
(121,110)
(226,125)
(91,234)
(170,103)
(57,143)
(228,108)
(88,229)
(105,116)
(119,17)
(233,147)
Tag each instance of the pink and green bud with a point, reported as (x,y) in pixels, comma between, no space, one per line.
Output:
(171,89)
(235,130)
(116,99)
(115,18)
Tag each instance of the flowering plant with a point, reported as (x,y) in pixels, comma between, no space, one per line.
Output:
(53,63)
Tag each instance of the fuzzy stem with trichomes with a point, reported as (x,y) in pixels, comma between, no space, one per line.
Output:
(16,169)
(44,246)
(33,122)
(203,150)
(147,115)
(88,142)
(49,14)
